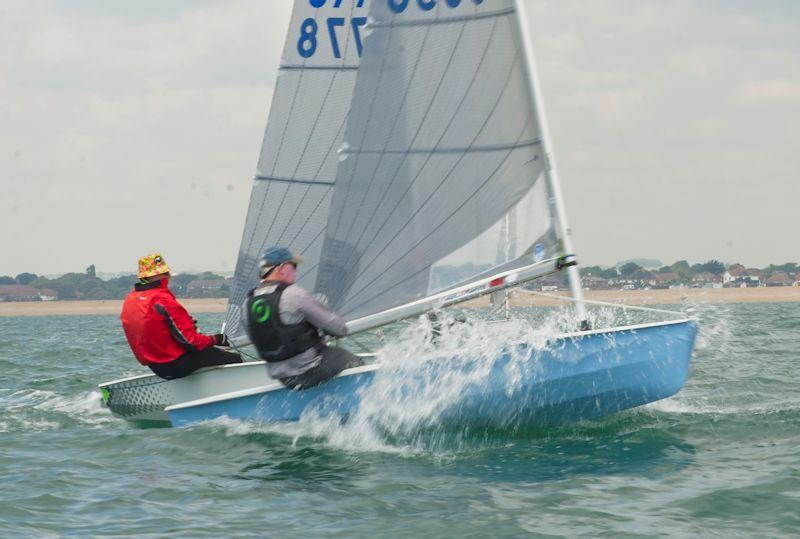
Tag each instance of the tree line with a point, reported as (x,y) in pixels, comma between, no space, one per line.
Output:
(683,269)
(88,285)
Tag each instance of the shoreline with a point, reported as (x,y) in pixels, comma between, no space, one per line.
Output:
(518,298)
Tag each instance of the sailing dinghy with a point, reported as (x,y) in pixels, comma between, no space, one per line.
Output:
(407,159)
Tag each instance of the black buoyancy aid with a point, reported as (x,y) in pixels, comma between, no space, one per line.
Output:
(274,340)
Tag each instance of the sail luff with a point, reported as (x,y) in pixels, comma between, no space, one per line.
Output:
(550,169)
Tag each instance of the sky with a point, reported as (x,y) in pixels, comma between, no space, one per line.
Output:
(133,127)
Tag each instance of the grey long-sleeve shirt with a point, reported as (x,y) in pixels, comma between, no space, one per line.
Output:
(296,305)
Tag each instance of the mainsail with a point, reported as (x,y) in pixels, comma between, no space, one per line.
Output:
(403,147)
(296,172)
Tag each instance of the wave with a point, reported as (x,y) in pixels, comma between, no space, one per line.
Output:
(679,405)
(37,410)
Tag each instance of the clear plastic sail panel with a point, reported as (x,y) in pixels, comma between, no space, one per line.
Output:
(403,154)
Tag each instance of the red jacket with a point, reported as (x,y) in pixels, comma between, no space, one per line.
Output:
(158,328)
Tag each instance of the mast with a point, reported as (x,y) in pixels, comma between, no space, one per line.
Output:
(550,170)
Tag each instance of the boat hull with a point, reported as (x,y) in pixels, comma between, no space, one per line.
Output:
(575,377)
(145,397)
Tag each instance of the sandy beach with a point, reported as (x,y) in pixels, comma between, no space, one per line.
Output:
(519,298)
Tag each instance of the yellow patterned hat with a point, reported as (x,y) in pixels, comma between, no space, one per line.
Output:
(153,264)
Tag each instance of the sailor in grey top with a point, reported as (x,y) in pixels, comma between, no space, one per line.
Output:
(297,305)
(290,342)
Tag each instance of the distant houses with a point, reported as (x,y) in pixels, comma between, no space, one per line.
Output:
(207,285)
(19,292)
(550,283)
(779,278)
(666,280)
(735,276)
(591,282)
(707,280)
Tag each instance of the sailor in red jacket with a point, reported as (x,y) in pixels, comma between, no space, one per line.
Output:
(161,333)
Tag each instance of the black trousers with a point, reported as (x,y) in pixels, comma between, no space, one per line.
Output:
(334,361)
(191,361)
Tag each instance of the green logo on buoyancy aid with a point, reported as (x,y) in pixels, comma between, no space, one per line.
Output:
(260,310)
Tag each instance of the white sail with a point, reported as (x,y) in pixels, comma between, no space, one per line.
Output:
(403,147)
(296,170)
(442,143)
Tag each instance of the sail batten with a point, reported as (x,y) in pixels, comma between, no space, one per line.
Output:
(293,67)
(463,149)
(295,180)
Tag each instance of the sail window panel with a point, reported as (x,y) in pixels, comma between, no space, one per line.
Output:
(506,245)
(443,184)
(470,197)
(450,218)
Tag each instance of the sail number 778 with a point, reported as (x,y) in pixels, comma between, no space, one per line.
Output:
(307,43)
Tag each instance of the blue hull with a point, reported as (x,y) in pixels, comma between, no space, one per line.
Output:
(575,378)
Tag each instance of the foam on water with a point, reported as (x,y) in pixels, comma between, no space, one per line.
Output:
(47,410)
(715,326)
(421,377)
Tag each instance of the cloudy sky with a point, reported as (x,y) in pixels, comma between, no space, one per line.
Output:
(127,127)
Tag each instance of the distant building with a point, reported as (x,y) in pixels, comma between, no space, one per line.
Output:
(19,292)
(590,282)
(200,285)
(549,284)
(779,278)
(45,294)
(733,273)
(665,280)
(746,281)
(639,279)
(708,280)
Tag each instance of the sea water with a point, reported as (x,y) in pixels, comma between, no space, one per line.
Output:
(721,458)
